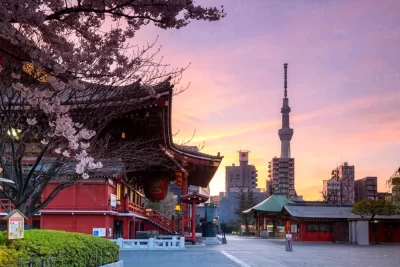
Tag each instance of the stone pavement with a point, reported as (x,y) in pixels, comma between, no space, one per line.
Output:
(256,252)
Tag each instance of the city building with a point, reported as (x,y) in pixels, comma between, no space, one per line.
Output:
(205,191)
(243,176)
(214,200)
(331,191)
(384,196)
(345,175)
(366,188)
(281,170)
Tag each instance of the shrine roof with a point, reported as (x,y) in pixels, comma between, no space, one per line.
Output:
(67,169)
(274,203)
(319,211)
(135,93)
(328,211)
(201,198)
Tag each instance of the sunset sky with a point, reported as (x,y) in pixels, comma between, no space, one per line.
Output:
(343,85)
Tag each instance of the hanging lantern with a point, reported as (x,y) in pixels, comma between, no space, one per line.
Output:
(156,189)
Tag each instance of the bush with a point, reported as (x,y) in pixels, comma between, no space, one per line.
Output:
(57,248)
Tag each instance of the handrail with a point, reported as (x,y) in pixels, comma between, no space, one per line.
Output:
(160,219)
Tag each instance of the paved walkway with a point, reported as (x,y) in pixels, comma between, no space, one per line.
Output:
(255,252)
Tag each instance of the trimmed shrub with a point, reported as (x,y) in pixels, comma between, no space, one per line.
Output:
(57,248)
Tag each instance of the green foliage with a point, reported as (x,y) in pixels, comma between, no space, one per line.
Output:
(372,208)
(232,227)
(58,248)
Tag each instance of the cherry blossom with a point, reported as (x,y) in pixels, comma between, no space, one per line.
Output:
(44,142)
(31,121)
(63,126)
(68,37)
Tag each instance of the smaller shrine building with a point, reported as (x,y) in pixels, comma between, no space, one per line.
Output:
(322,222)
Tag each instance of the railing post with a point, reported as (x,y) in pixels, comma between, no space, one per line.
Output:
(182,243)
(120,243)
(150,244)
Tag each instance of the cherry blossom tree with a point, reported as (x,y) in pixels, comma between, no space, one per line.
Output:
(92,39)
(83,49)
(45,138)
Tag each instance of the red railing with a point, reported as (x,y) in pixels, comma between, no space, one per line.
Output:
(136,209)
(161,219)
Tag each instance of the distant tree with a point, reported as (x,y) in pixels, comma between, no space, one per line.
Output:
(246,200)
(371,208)
(165,206)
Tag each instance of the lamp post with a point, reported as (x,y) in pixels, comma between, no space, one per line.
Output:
(223,229)
(178,213)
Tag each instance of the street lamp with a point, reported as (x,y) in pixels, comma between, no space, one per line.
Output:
(14,133)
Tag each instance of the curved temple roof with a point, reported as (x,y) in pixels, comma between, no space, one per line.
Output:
(274,203)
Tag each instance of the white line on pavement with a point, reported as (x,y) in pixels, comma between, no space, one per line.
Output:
(229,256)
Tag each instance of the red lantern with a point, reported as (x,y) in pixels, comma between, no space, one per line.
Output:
(156,189)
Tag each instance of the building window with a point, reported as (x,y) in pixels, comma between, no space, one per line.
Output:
(319,227)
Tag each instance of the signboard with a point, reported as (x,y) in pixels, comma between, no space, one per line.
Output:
(243,155)
(113,200)
(15,225)
(16,228)
(99,232)
(293,228)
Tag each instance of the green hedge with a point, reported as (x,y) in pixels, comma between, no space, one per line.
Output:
(57,248)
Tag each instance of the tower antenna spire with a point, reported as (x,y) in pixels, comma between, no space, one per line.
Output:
(285,66)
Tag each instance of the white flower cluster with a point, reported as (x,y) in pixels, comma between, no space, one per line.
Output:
(63,126)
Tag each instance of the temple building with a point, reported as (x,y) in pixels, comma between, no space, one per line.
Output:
(110,202)
(322,222)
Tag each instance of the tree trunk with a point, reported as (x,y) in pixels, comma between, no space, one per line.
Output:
(246,224)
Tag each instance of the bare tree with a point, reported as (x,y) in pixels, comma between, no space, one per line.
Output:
(165,206)
(331,196)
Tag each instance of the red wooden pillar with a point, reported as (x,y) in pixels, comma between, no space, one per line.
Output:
(185,209)
(125,226)
(287,227)
(193,221)
(257,221)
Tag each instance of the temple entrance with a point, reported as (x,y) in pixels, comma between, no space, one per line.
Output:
(117,229)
